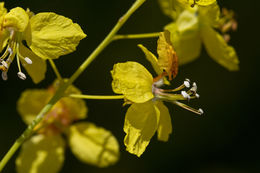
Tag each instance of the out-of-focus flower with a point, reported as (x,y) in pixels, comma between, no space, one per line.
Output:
(44,151)
(197,25)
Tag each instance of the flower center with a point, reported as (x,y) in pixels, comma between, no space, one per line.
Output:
(10,52)
(170,95)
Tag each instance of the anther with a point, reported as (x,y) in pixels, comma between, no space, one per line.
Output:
(186,83)
(4,75)
(185,95)
(194,87)
(201,111)
(21,75)
(197,95)
(5,64)
(28,60)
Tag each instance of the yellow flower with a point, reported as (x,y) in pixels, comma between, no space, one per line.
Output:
(147,114)
(44,151)
(194,26)
(47,36)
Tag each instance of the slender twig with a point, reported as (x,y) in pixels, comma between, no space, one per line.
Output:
(97,97)
(55,69)
(137,36)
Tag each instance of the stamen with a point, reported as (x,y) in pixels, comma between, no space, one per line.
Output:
(199,111)
(5,64)
(185,95)
(21,75)
(186,83)
(4,75)
(28,60)
(197,95)
(194,87)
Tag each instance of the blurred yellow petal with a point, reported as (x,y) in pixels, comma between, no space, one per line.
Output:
(53,35)
(41,154)
(93,145)
(165,123)
(199,2)
(219,50)
(186,44)
(31,102)
(76,108)
(38,67)
(133,80)
(141,122)
(210,14)
(17,19)
(167,59)
(151,58)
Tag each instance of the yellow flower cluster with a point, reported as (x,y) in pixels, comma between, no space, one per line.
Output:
(47,36)
(147,113)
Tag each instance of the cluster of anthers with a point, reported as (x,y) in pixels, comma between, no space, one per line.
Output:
(12,50)
(170,96)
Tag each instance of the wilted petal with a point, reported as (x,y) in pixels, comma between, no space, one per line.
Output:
(93,145)
(41,154)
(167,59)
(51,35)
(133,80)
(141,122)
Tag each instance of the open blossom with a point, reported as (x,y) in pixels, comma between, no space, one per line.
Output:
(44,151)
(201,24)
(32,39)
(147,113)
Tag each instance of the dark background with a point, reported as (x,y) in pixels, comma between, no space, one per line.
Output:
(223,140)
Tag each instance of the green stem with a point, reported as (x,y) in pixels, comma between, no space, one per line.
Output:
(55,69)
(60,92)
(137,36)
(97,97)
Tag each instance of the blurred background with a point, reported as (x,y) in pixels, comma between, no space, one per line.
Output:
(223,140)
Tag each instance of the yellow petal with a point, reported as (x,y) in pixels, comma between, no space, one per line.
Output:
(17,18)
(38,67)
(199,2)
(31,102)
(151,58)
(187,44)
(41,154)
(133,80)
(141,122)
(167,59)
(219,50)
(165,123)
(53,35)
(93,145)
